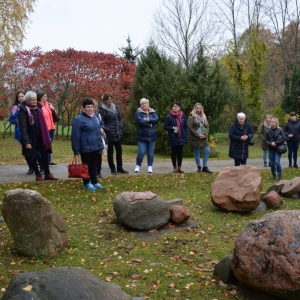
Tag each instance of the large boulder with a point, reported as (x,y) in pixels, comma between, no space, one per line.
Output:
(266,254)
(37,229)
(237,188)
(63,284)
(273,200)
(141,210)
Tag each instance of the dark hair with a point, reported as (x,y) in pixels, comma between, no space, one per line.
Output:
(40,95)
(293,114)
(176,103)
(17,98)
(106,95)
(87,101)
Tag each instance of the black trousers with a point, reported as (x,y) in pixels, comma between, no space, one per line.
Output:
(91,160)
(110,155)
(238,162)
(176,155)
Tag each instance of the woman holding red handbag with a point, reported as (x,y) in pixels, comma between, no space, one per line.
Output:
(87,141)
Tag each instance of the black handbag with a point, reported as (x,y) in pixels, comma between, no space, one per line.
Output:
(55,117)
(251,142)
(281,149)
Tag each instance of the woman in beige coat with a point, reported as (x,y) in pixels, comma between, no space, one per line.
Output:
(198,136)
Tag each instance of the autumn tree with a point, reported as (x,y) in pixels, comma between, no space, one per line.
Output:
(14,16)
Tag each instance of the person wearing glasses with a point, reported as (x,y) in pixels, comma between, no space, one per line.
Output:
(113,127)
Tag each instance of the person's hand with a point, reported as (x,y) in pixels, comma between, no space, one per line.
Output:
(290,135)
(28,146)
(273,144)
(244,137)
(101,130)
(201,136)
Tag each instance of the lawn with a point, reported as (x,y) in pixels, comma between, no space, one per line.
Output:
(174,266)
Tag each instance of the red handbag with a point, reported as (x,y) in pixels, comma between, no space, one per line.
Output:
(77,169)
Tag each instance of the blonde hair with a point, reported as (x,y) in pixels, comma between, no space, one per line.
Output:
(193,112)
(276,120)
(144,100)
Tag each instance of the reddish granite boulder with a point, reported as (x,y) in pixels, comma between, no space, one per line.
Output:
(266,254)
(237,188)
(273,200)
(291,187)
(179,214)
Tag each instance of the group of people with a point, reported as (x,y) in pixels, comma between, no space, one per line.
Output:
(241,133)
(34,129)
(99,128)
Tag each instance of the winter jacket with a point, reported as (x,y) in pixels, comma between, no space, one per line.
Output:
(13,119)
(47,108)
(194,139)
(173,138)
(146,130)
(262,130)
(86,136)
(292,127)
(27,132)
(276,135)
(238,149)
(113,122)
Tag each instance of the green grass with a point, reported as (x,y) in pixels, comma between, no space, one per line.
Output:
(172,265)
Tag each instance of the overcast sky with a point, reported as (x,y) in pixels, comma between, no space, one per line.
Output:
(92,25)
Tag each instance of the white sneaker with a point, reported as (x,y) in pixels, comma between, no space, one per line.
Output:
(137,168)
(149,169)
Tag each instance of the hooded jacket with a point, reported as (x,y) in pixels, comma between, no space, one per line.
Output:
(238,148)
(86,136)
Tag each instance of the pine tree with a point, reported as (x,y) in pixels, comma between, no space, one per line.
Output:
(129,52)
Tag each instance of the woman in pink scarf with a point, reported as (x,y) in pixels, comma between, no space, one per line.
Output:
(177,127)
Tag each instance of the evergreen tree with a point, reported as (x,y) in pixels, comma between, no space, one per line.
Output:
(209,86)
(291,92)
(129,52)
(161,81)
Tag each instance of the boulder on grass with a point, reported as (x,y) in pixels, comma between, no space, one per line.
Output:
(273,200)
(291,187)
(37,229)
(237,188)
(266,254)
(179,214)
(63,284)
(141,210)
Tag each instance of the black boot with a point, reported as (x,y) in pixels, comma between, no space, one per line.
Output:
(199,169)
(206,169)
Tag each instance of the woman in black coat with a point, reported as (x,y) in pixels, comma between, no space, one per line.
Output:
(177,127)
(292,130)
(275,136)
(240,133)
(34,135)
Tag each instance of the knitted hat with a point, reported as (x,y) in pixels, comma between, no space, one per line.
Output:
(40,95)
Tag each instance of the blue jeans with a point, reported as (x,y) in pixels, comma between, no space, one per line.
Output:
(51,133)
(197,157)
(293,151)
(274,158)
(143,148)
(265,152)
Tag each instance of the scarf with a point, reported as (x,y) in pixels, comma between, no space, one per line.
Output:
(46,142)
(178,116)
(111,108)
(267,125)
(201,120)
(90,115)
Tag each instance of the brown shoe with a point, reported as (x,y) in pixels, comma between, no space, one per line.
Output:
(175,170)
(39,177)
(50,177)
(179,170)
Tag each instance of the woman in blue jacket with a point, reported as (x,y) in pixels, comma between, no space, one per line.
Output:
(146,120)
(87,141)
(177,127)
(240,133)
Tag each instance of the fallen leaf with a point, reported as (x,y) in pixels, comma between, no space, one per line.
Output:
(27,288)
(172,285)
(136,276)
(138,260)
(221,283)
(108,278)
(114,273)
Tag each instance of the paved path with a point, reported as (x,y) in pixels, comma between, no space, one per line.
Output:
(17,173)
